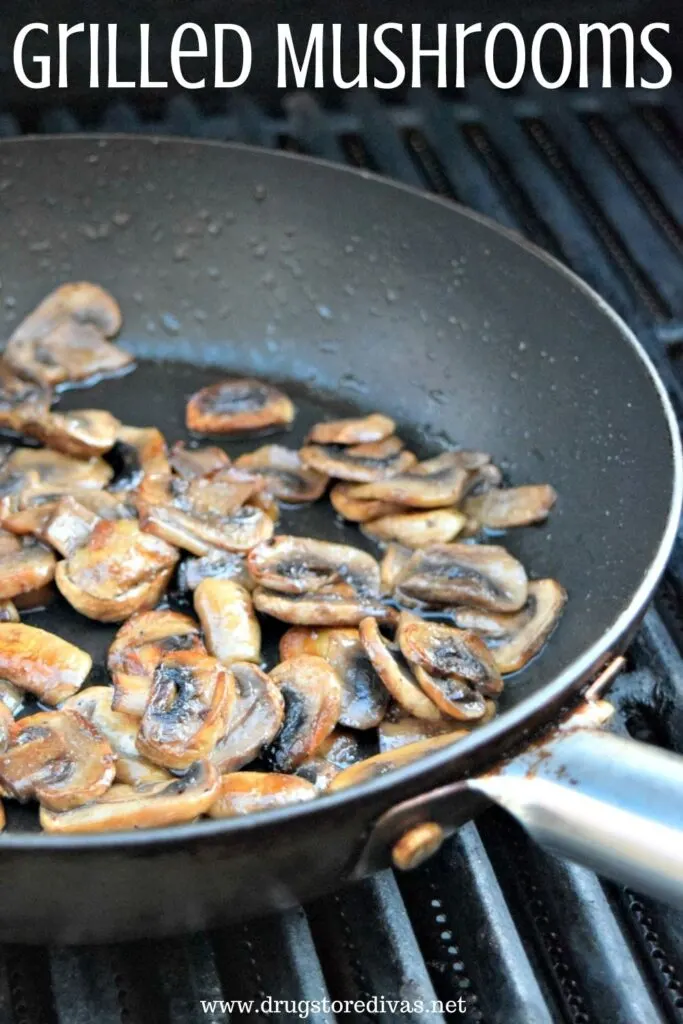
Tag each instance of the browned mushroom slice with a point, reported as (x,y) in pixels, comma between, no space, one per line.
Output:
(226,612)
(340,750)
(59,758)
(359,511)
(417,529)
(187,711)
(64,338)
(355,430)
(250,792)
(361,462)
(41,662)
(25,570)
(222,565)
(452,695)
(286,476)
(302,565)
(396,557)
(57,471)
(312,694)
(394,733)
(483,575)
(395,673)
(241,531)
(436,483)
(336,604)
(190,463)
(119,571)
(238,405)
(223,493)
(363,699)
(446,651)
(268,504)
(379,765)
(501,508)
(145,806)
(138,648)
(142,451)
(21,401)
(514,639)
(69,527)
(255,720)
(81,433)
(9,544)
(40,508)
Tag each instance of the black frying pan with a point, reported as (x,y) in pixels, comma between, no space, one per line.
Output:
(357,294)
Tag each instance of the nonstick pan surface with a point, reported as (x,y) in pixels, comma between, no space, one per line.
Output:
(360,294)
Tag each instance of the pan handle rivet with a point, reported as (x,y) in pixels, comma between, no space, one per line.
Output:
(416,845)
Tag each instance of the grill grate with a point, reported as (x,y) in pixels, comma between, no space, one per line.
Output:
(596,178)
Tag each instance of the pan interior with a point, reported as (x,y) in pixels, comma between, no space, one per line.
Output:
(357,295)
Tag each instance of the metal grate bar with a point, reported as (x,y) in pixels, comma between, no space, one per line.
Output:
(381,138)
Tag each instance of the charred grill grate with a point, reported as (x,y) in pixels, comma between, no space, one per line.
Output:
(596,178)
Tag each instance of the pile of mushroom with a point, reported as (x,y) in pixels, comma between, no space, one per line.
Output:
(380,662)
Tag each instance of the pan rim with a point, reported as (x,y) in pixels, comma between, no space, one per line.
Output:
(564,684)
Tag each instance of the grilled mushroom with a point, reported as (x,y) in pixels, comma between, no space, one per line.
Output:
(395,673)
(340,750)
(145,806)
(11,697)
(141,452)
(417,529)
(301,565)
(381,764)
(445,651)
(363,697)
(29,568)
(222,493)
(69,527)
(250,792)
(398,732)
(312,694)
(333,605)
(436,483)
(256,718)
(222,565)
(41,662)
(241,531)
(56,472)
(64,338)
(59,758)
(360,462)
(188,709)
(238,405)
(485,576)
(119,730)
(21,401)
(514,639)
(355,430)
(119,571)
(287,479)
(452,695)
(500,508)
(396,557)
(82,433)
(359,511)
(138,648)
(190,463)
(231,629)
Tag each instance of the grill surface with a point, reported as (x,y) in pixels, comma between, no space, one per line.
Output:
(597,178)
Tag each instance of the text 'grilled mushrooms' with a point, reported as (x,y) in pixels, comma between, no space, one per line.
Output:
(249,792)
(483,575)
(312,694)
(238,405)
(41,662)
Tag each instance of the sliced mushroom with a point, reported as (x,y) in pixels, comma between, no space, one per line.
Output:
(396,557)
(436,483)
(81,433)
(395,673)
(333,605)
(417,529)
(9,544)
(64,338)
(395,733)
(21,401)
(361,462)
(145,806)
(41,662)
(340,750)
(26,570)
(452,695)
(514,639)
(69,527)
(287,479)
(483,575)
(238,405)
(41,508)
(379,765)
(59,758)
(241,531)
(222,565)
(500,508)
(255,720)
(190,463)
(187,711)
(222,494)
(312,694)
(7,726)
(446,651)
(301,565)
(141,452)
(226,612)
(355,430)
(364,699)
(138,648)
(359,511)
(119,571)
(268,504)
(56,472)
(250,792)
